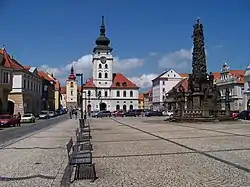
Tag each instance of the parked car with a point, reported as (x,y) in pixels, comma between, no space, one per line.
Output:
(94,113)
(245,114)
(28,118)
(117,113)
(153,113)
(130,113)
(44,114)
(52,114)
(101,114)
(8,120)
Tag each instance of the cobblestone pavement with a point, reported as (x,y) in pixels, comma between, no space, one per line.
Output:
(141,152)
(36,160)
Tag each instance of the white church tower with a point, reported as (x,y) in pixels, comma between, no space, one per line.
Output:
(71,90)
(102,60)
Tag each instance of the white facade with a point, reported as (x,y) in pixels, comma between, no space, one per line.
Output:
(246,96)
(102,69)
(163,84)
(236,88)
(107,90)
(71,90)
(27,81)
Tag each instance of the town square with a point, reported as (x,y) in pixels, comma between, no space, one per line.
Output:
(82,105)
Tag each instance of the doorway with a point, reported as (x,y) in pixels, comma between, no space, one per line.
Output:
(103,106)
(10,108)
(124,107)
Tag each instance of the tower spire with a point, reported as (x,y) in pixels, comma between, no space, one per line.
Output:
(72,74)
(102,42)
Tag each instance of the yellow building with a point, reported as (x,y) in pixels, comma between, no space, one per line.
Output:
(141,103)
(6,75)
(57,95)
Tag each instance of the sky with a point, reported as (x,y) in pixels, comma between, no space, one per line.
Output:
(148,37)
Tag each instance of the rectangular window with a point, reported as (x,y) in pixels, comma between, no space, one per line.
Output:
(106,94)
(24,84)
(163,90)
(163,82)
(71,92)
(5,77)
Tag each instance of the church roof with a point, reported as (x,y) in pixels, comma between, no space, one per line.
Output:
(119,82)
(89,84)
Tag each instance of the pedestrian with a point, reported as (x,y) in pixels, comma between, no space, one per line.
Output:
(70,114)
(76,114)
(19,119)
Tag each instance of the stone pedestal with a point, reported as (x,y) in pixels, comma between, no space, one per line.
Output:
(196,100)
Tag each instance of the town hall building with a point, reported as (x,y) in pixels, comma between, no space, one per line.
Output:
(106,90)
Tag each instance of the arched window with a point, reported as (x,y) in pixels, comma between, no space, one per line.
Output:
(100,75)
(106,75)
(100,66)
(131,93)
(131,107)
(106,66)
(117,93)
(124,94)
(117,107)
(124,107)
(89,93)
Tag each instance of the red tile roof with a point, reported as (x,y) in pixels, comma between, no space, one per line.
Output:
(89,84)
(9,62)
(45,76)
(27,67)
(120,81)
(63,90)
(183,82)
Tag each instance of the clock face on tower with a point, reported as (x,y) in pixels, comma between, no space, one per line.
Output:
(103,59)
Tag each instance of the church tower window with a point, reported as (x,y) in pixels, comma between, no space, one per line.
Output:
(100,75)
(100,66)
(106,66)
(106,75)
(117,93)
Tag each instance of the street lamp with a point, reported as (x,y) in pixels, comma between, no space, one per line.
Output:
(81,101)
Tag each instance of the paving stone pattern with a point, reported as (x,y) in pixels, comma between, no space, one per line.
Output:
(36,161)
(139,152)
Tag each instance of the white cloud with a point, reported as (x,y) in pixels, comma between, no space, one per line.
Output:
(84,65)
(144,81)
(178,60)
(152,53)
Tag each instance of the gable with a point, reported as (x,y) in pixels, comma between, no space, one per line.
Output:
(170,74)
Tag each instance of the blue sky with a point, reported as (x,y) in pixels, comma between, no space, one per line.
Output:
(147,36)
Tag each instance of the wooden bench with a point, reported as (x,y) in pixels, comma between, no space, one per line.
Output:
(82,136)
(81,158)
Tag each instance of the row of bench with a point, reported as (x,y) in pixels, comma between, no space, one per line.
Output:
(80,152)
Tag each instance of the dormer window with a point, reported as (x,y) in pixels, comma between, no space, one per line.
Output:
(124,84)
(100,66)
(117,84)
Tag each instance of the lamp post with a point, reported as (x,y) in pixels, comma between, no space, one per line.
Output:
(81,101)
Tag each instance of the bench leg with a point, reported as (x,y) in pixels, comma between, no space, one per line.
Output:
(93,172)
(76,172)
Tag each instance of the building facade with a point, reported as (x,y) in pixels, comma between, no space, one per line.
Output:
(147,100)
(161,85)
(57,95)
(234,81)
(71,90)
(246,94)
(25,96)
(6,79)
(47,91)
(141,101)
(107,90)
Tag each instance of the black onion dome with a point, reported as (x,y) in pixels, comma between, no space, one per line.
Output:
(102,42)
